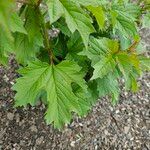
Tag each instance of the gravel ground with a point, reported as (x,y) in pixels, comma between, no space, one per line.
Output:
(125,126)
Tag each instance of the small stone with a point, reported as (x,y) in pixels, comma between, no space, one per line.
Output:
(117,111)
(106,132)
(40,140)
(10,116)
(5,78)
(80,124)
(33,128)
(72,144)
(12,83)
(126,129)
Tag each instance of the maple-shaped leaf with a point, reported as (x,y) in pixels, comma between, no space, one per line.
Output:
(131,83)
(126,63)
(123,25)
(75,17)
(127,10)
(129,66)
(16,24)
(33,26)
(108,85)
(93,92)
(101,53)
(24,49)
(75,45)
(57,82)
(123,17)
(146,20)
(6,47)
(103,67)
(9,20)
(89,2)
(5,15)
(99,14)
(144,63)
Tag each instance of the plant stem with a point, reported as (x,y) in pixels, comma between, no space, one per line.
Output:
(38,3)
(24,2)
(47,39)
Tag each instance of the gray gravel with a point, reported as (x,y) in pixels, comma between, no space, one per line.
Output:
(125,126)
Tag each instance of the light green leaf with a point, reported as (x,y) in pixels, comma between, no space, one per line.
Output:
(93,92)
(145,63)
(101,53)
(123,18)
(24,49)
(75,17)
(146,21)
(108,85)
(124,64)
(123,25)
(128,64)
(16,24)
(129,11)
(56,81)
(33,26)
(89,2)
(103,67)
(5,11)
(6,47)
(99,15)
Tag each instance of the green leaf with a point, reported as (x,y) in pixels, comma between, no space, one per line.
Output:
(9,20)
(145,63)
(123,17)
(33,26)
(108,85)
(123,25)
(129,11)
(24,49)
(146,21)
(27,46)
(83,97)
(93,92)
(56,81)
(124,64)
(101,53)
(6,47)
(5,11)
(76,45)
(128,64)
(62,26)
(75,17)
(103,67)
(89,2)
(17,24)
(3,59)
(99,14)
(131,83)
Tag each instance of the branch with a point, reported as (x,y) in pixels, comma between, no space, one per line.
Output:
(24,2)
(38,3)
(133,46)
(47,43)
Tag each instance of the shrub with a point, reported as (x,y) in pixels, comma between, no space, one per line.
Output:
(71,52)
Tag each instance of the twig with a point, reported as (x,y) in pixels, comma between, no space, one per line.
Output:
(23,2)
(47,40)
(133,46)
(114,119)
(38,3)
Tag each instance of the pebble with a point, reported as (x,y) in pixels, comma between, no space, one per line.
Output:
(126,129)
(40,140)
(10,116)
(72,144)
(33,128)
